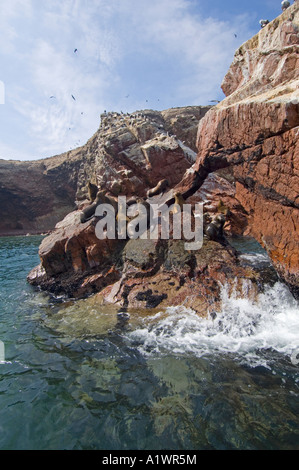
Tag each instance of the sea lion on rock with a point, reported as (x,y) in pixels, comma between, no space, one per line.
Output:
(146,205)
(92,191)
(131,201)
(222,208)
(178,201)
(140,201)
(214,230)
(88,212)
(207,219)
(101,198)
(160,188)
(144,218)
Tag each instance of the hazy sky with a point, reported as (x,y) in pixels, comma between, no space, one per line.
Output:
(131,55)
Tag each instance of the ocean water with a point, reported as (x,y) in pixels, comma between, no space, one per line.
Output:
(73,376)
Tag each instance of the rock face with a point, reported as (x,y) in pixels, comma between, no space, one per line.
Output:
(246,169)
(253,135)
(36,195)
(128,154)
(135,151)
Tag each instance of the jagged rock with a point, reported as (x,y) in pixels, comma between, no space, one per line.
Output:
(138,273)
(34,196)
(253,133)
(127,155)
(179,278)
(74,261)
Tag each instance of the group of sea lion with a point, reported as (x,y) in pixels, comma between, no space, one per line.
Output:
(213,227)
(96,196)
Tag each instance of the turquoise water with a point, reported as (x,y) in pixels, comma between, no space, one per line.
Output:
(76,377)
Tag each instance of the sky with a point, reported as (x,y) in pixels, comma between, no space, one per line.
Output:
(63,62)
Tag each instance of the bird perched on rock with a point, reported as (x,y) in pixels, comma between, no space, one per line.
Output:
(284,5)
(264,23)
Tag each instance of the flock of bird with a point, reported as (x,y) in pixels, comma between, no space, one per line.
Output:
(54,97)
(284,5)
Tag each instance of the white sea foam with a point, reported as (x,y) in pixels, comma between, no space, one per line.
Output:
(243,327)
(256,258)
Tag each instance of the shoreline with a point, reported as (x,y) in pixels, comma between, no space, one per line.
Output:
(23,234)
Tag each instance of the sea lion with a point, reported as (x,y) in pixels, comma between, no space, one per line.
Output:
(92,191)
(222,208)
(160,188)
(88,212)
(178,201)
(207,219)
(101,198)
(146,205)
(131,201)
(214,230)
(144,219)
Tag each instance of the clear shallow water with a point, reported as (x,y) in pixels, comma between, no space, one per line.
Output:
(77,377)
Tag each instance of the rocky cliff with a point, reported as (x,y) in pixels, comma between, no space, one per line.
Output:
(253,133)
(245,166)
(35,195)
(129,152)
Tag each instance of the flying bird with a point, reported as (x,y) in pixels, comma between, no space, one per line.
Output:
(73,97)
(214,101)
(235,35)
(52,97)
(76,50)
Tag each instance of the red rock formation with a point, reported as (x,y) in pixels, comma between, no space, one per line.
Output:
(127,155)
(254,133)
(247,157)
